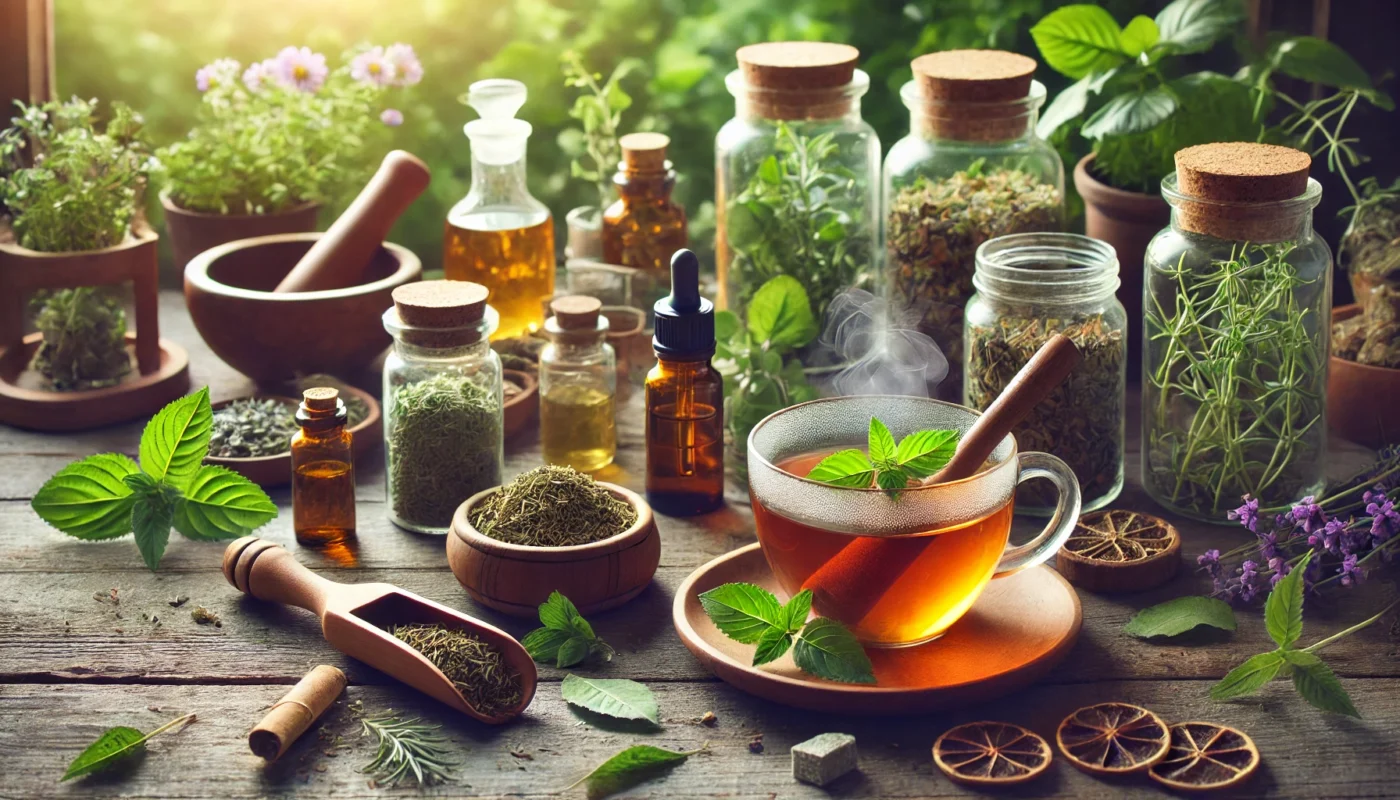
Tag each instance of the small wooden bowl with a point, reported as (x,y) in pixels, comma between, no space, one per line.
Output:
(276,470)
(516,579)
(520,410)
(1361,397)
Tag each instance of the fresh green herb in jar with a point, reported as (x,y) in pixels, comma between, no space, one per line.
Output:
(443,446)
(253,427)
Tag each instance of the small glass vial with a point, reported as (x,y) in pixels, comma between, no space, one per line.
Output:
(643,228)
(499,235)
(1029,287)
(684,400)
(578,385)
(443,402)
(323,471)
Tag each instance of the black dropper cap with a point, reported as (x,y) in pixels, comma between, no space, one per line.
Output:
(685,321)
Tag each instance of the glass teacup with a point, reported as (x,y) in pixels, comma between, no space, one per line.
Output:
(895,571)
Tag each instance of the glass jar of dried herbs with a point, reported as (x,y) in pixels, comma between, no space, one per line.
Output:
(971,169)
(442,402)
(1235,357)
(1029,287)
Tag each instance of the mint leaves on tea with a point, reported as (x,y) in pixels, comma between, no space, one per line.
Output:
(750,614)
(889,466)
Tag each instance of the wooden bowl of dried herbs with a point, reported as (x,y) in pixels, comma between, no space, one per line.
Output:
(252,435)
(554,529)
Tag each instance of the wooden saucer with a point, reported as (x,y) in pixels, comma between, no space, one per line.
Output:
(1019,628)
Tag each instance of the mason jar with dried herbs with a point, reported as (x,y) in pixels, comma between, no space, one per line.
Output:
(1029,287)
(1236,326)
(971,169)
(797,174)
(442,402)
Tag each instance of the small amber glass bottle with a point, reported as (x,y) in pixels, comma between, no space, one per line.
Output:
(323,471)
(685,400)
(643,227)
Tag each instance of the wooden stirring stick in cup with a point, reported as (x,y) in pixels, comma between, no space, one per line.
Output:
(852,582)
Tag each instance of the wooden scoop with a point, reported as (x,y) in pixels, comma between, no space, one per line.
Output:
(340,257)
(849,585)
(355,618)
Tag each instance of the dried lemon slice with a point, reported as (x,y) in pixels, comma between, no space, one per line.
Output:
(1206,756)
(991,753)
(1120,551)
(1113,738)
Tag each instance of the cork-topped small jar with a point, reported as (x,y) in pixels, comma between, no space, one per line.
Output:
(797,174)
(971,169)
(1238,298)
(578,386)
(442,402)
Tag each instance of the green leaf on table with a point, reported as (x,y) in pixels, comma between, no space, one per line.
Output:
(560,613)
(1079,39)
(742,611)
(1181,615)
(771,646)
(796,611)
(221,504)
(1131,112)
(1318,61)
(630,767)
(566,638)
(152,514)
(1283,610)
(543,643)
(1138,36)
(620,699)
(572,652)
(1318,685)
(827,650)
(89,499)
(1193,26)
(922,453)
(176,439)
(881,444)
(781,314)
(1249,676)
(849,468)
(114,746)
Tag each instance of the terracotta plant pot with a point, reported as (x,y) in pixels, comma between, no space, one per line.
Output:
(193,232)
(516,579)
(273,337)
(1361,397)
(1128,221)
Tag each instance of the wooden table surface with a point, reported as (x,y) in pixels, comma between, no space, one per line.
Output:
(72,665)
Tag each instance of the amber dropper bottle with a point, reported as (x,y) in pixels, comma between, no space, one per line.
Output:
(685,401)
(323,471)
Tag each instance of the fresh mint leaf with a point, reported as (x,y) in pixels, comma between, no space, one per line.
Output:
(543,644)
(221,504)
(923,453)
(1079,39)
(1318,685)
(1192,26)
(560,613)
(849,468)
(797,609)
(881,444)
(771,646)
(1131,112)
(1283,610)
(572,652)
(1317,60)
(780,314)
(827,650)
(620,699)
(566,638)
(1138,36)
(742,611)
(1180,615)
(89,499)
(1248,677)
(152,514)
(632,766)
(893,481)
(176,439)
(115,745)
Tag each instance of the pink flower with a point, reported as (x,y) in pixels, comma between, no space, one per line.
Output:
(299,68)
(372,67)
(391,117)
(407,69)
(258,75)
(220,73)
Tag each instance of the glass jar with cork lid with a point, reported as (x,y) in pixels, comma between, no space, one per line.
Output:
(1235,334)
(797,174)
(443,407)
(578,384)
(971,169)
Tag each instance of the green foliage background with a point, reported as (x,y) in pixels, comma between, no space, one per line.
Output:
(145,52)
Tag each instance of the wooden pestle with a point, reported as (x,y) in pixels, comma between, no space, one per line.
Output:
(852,582)
(341,255)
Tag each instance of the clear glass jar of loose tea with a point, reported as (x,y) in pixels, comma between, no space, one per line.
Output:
(578,386)
(442,402)
(1029,287)
(797,173)
(1236,331)
(971,169)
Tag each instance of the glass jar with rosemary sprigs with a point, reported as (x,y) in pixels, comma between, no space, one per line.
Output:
(1235,351)
(1031,286)
(971,169)
(442,402)
(797,175)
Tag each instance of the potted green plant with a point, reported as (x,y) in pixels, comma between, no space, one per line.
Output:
(275,140)
(598,108)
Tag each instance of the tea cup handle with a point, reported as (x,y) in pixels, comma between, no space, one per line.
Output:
(1062,522)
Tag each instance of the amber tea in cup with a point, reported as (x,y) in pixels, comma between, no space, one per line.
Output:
(895,571)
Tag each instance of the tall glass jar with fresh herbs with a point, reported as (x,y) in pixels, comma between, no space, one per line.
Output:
(971,169)
(797,174)
(1236,326)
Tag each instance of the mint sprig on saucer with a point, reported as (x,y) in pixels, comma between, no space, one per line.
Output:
(750,614)
(889,466)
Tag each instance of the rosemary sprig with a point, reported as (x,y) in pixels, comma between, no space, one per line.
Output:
(408,748)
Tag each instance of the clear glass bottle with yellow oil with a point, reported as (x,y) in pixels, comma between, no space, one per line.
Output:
(499,235)
(578,384)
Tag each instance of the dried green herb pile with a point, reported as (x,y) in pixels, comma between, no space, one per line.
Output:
(932,233)
(552,506)
(1373,336)
(444,445)
(476,668)
(1081,421)
(252,427)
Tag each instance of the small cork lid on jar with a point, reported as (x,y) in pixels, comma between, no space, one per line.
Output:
(1234,183)
(320,398)
(797,80)
(441,313)
(644,152)
(576,316)
(974,95)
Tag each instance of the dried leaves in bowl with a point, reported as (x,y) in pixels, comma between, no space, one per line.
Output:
(1120,551)
(991,754)
(552,506)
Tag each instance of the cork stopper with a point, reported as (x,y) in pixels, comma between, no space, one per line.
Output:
(644,152)
(576,312)
(973,95)
(1229,189)
(291,716)
(321,398)
(441,313)
(797,80)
